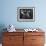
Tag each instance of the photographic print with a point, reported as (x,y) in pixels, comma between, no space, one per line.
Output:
(26,14)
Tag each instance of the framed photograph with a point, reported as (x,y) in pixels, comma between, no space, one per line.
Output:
(26,14)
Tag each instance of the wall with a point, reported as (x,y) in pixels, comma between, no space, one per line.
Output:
(9,13)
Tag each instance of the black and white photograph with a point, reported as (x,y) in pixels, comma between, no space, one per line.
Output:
(26,14)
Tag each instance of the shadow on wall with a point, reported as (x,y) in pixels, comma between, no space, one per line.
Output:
(2,26)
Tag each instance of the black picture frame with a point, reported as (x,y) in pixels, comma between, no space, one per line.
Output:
(26,14)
